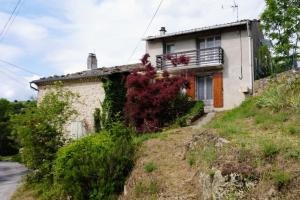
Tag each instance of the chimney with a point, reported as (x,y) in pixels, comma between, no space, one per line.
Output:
(162,30)
(92,61)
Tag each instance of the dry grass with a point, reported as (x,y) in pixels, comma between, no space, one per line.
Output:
(173,177)
(24,193)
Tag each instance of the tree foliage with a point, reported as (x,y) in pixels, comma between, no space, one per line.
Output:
(8,143)
(151,96)
(281,23)
(266,63)
(40,130)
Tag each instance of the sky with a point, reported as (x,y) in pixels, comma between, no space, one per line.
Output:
(54,37)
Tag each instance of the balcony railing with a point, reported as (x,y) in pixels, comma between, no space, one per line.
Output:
(198,58)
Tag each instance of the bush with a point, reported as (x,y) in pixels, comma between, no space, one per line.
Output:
(94,167)
(193,113)
(40,131)
(151,97)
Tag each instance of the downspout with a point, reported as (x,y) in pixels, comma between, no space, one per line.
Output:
(251,56)
(33,87)
(241,55)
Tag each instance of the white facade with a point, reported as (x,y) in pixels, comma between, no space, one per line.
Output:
(238,65)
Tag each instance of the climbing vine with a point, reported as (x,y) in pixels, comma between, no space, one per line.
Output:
(113,104)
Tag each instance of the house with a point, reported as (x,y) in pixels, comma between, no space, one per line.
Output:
(221,69)
(223,60)
(88,85)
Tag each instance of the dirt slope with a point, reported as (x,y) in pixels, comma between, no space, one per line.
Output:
(173,177)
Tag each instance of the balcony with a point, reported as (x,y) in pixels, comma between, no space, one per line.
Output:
(209,57)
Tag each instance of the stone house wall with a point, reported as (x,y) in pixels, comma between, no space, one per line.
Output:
(91,95)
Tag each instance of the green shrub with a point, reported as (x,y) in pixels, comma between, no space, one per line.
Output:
(150,167)
(40,131)
(94,167)
(193,113)
(281,178)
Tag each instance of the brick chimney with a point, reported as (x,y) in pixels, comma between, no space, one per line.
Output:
(92,61)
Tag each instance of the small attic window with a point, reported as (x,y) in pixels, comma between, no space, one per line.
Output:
(170,48)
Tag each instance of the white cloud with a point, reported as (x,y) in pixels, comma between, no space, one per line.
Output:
(10,52)
(14,87)
(24,30)
(110,28)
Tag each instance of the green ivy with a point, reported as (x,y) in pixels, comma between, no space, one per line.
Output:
(113,104)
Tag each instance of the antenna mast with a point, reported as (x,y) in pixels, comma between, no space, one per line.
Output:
(236,6)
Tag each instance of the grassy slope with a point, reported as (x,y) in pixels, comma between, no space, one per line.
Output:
(264,138)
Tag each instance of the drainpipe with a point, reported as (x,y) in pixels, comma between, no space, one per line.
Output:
(251,55)
(33,87)
(241,55)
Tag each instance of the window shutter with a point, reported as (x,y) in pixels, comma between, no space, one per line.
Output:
(191,90)
(218,90)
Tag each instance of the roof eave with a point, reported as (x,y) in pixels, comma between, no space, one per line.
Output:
(238,23)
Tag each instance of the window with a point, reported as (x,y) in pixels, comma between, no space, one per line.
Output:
(170,48)
(77,129)
(210,42)
(207,53)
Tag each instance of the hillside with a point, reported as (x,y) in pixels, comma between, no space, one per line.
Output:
(251,152)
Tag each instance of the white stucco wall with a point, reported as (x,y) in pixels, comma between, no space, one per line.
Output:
(153,49)
(184,45)
(91,94)
(235,84)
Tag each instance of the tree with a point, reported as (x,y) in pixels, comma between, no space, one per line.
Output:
(8,143)
(281,23)
(40,130)
(150,97)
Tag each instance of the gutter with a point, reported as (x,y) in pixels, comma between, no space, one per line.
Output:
(36,89)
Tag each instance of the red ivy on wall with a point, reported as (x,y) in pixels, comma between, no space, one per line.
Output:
(149,95)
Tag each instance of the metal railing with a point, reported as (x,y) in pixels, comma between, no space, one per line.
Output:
(201,57)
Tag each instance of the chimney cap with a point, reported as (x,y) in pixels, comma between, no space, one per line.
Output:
(162,30)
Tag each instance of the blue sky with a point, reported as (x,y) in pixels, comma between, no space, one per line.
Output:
(55,36)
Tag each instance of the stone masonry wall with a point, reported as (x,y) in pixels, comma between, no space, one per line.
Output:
(261,84)
(91,95)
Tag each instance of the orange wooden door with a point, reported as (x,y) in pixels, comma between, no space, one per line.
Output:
(218,90)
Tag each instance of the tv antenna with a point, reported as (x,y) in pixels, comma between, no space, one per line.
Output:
(235,8)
